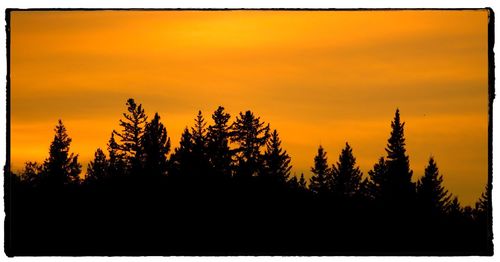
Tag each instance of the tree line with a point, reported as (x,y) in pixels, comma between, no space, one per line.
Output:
(228,168)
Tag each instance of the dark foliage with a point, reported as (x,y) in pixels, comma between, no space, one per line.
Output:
(227,190)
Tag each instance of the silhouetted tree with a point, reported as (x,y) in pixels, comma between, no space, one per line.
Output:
(61,167)
(98,168)
(218,136)
(346,176)
(321,179)
(250,134)
(276,161)
(31,173)
(483,204)
(131,135)
(377,181)
(199,157)
(117,163)
(400,190)
(156,145)
(432,197)
(181,160)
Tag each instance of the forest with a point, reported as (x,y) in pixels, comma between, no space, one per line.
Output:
(227,189)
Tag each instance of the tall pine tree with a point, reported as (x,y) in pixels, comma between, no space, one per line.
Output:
(218,136)
(250,134)
(61,167)
(156,144)
(400,190)
(131,135)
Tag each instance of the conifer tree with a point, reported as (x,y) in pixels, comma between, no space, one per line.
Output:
(218,136)
(321,179)
(377,183)
(302,182)
(156,145)
(117,162)
(61,167)
(432,197)
(181,160)
(346,176)
(31,173)
(199,157)
(400,189)
(250,134)
(131,135)
(276,161)
(98,168)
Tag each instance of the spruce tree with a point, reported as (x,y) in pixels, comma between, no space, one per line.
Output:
(180,163)
(156,145)
(199,157)
(377,181)
(250,134)
(321,179)
(400,190)
(97,169)
(117,164)
(346,176)
(61,167)
(276,161)
(432,197)
(131,135)
(218,136)
(302,182)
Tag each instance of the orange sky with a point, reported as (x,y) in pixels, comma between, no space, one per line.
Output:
(318,77)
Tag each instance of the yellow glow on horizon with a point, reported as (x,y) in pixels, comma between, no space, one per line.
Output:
(318,77)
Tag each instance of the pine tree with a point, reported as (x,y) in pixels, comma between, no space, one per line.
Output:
(400,189)
(346,176)
(321,179)
(97,169)
(156,145)
(276,161)
(131,135)
(250,134)
(61,167)
(432,197)
(31,173)
(199,157)
(377,183)
(180,163)
(117,162)
(218,136)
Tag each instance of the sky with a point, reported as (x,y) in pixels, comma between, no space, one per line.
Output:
(326,78)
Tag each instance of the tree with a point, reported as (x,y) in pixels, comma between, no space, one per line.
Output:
(432,197)
(31,173)
(98,168)
(346,176)
(250,134)
(400,190)
(61,167)
(180,161)
(320,181)
(218,137)
(276,161)
(199,157)
(131,135)
(156,145)
(377,181)
(117,164)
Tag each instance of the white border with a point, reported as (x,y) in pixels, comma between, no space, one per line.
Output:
(245,4)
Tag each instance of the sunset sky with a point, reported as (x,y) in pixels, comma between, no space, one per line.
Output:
(319,77)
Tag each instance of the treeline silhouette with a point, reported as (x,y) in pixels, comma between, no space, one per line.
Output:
(228,190)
